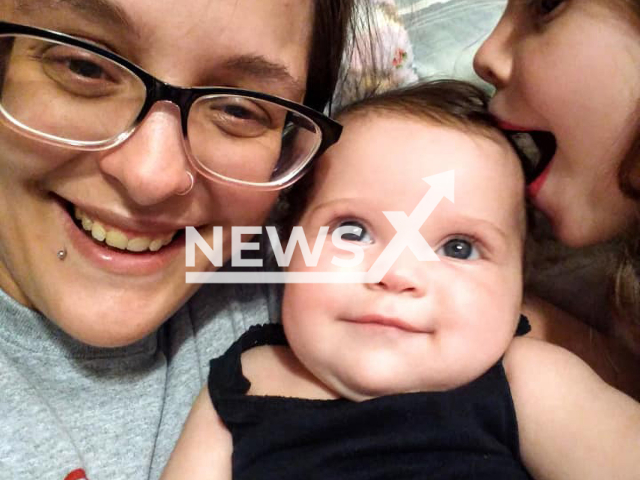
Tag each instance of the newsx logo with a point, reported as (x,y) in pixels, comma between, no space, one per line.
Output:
(407,235)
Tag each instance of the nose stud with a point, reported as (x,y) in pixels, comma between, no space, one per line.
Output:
(191,183)
(62,254)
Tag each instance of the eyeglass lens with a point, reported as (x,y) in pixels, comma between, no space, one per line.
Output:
(68,95)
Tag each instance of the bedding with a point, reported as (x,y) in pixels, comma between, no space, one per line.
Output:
(445,34)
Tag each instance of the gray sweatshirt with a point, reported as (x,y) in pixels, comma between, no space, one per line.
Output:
(69,411)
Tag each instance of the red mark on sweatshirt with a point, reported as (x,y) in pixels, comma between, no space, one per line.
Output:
(77,474)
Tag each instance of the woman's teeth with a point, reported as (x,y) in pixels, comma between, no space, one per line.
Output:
(117,239)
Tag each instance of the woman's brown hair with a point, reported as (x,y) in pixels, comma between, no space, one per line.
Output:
(333,24)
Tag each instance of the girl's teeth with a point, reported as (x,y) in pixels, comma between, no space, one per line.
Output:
(117,239)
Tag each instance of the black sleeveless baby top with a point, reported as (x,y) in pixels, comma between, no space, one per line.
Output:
(466,433)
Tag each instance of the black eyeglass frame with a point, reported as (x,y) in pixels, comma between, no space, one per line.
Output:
(184,98)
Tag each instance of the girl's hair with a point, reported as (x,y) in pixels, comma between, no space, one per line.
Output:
(451,103)
(625,290)
(625,286)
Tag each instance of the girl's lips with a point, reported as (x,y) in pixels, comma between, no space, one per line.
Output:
(113,260)
(534,187)
(511,126)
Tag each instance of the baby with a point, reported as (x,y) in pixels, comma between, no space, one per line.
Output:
(417,375)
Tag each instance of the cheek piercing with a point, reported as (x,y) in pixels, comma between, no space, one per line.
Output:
(62,254)
(191,182)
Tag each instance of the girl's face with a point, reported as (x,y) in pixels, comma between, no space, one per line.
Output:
(105,295)
(571,68)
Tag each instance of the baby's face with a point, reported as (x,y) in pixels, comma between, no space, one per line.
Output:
(427,325)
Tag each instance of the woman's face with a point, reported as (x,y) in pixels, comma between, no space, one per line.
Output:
(104,295)
(571,68)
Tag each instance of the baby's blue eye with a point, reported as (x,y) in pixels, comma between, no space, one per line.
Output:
(353,231)
(459,248)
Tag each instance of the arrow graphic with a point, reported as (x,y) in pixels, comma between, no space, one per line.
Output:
(408,228)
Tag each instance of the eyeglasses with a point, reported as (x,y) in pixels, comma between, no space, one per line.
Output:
(64,91)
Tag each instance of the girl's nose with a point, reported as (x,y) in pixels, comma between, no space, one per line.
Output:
(493,61)
(152,165)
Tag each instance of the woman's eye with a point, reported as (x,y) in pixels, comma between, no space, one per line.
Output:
(238,116)
(239,112)
(77,61)
(81,67)
(86,69)
(353,231)
(459,248)
(82,73)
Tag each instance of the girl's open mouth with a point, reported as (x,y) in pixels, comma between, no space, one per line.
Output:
(535,148)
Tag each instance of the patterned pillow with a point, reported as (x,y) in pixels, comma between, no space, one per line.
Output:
(401,41)
(445,34)
(382,57)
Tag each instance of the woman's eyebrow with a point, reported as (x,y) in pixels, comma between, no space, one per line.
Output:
(109,13)
(265,70)
(102,11)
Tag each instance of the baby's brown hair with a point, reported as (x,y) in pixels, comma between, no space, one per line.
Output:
(451,103)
